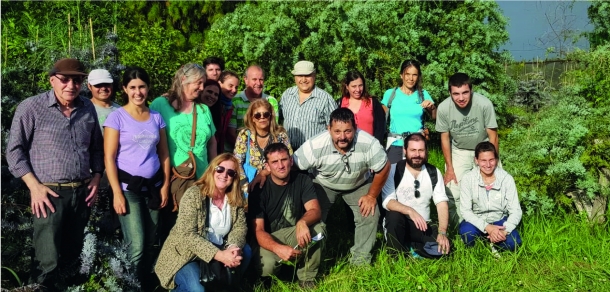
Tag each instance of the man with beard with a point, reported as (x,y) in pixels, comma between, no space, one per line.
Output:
(342,159)
(407,198)
(463,120)
(254,78)
(286,215)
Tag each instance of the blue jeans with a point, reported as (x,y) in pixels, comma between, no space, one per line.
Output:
(187,278)
(470,233)
(139,227)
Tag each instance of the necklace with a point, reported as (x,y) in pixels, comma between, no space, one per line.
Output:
(262,136)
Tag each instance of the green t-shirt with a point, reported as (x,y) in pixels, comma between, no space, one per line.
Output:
(240,106)
(179,128)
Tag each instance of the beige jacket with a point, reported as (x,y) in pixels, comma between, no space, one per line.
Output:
(186,241)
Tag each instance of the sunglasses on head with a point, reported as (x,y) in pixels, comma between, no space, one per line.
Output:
(66,79)
(230,172)
(416,185)
(265,115)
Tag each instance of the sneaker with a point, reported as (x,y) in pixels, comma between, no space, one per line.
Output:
(494,251)
(415,255)
(307,284)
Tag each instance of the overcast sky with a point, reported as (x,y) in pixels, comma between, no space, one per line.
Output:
(533,26)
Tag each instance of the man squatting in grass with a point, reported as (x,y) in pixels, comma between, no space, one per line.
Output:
(406,196)
(463,120)
(342,159)
(286,213)
(55,147)
(489,202)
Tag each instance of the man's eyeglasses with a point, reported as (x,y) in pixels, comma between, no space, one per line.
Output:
(416,185)
(346,166)
(265,115)
(66,79)
(230,172)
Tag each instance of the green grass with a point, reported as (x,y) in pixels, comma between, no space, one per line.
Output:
(559,253)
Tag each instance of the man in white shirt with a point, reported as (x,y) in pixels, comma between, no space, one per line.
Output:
(406,197)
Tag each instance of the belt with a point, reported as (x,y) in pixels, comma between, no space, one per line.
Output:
(71,185)
(394,135)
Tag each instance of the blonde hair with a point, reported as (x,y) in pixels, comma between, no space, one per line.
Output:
(274,128)
(191,72)
(207,186)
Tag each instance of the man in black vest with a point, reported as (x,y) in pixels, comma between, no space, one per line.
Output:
(406,197)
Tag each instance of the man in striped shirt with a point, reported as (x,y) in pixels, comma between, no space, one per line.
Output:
(305,108)
(254,78)
(342,159)
(56,148)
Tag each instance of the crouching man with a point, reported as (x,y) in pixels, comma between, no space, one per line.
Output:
(286,216)
(406,196)
(489,202)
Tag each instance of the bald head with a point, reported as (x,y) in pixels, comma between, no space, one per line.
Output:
(254,78)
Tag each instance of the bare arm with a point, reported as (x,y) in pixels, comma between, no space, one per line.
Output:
(442,210)
(312,216)
(163,152)
(111,146)
(267,242)
(446,147)
(492,134)
(367,202)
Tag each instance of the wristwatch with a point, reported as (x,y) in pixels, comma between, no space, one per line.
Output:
(442,233)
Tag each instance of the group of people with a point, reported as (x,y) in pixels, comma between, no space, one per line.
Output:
(266,172)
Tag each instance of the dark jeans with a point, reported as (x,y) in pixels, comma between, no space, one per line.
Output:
(58,239)
(470,233)
(402,234)
(139,227)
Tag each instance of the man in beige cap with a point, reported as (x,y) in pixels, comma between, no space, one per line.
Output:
(100,84)
(55,146)
(305,108)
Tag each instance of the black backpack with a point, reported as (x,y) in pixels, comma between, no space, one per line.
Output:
(400,171)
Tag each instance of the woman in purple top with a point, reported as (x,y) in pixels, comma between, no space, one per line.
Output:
(138,169)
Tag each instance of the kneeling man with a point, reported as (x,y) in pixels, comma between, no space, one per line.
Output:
(406,196)
(286,216)
(489,202)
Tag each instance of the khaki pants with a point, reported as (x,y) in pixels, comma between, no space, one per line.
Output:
(308,263)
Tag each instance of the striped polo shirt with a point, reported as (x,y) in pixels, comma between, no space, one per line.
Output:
(305,120)
(320,154)
(240,106)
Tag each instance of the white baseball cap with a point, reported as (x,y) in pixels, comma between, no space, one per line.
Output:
(99,76)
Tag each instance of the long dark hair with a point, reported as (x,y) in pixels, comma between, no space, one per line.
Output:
(418,86)
(131,73)
(351,76)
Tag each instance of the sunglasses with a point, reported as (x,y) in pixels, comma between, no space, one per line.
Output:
(416,184)
(265,115)
(230,172)
(66,79)
(346,166)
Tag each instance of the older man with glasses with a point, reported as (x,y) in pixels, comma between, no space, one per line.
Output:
(55,147)
(406,196)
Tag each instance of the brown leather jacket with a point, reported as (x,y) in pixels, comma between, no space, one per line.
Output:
(186,241)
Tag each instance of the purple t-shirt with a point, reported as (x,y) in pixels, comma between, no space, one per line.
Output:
(137,152)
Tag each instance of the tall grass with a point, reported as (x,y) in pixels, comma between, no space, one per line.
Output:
(559,253)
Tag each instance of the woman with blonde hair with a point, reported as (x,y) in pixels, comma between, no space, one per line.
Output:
(260,129)
(224,240)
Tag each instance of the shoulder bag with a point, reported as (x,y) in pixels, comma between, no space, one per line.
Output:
(183,175)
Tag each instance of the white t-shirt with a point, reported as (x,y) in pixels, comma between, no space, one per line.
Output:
(220,222)
(405,194)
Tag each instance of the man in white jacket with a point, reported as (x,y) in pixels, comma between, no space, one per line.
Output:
(489,202)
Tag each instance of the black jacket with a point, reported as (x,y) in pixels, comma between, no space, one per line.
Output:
(379,122)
